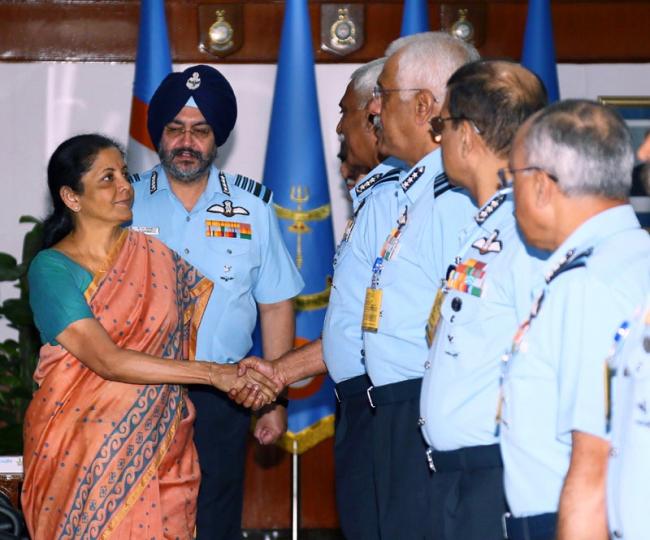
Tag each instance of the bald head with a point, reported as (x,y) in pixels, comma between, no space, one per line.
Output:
(497,96)
(585,145)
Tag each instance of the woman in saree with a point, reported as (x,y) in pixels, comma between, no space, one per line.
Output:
(108,450)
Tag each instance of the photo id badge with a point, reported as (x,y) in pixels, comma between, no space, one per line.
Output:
(371,310)
(434,316)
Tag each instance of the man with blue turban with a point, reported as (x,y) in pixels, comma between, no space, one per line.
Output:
(224,225)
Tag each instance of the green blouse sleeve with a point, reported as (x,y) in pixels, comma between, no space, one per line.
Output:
(56,293)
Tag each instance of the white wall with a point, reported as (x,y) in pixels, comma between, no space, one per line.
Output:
(41,104)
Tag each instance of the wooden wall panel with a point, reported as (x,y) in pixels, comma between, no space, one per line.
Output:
(267,490)
(106,30)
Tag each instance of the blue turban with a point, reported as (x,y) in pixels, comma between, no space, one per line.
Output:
(211,92)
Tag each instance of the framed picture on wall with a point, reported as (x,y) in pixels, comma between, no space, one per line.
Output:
(635,110)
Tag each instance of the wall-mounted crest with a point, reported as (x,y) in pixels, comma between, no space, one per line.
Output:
(341,28)
(221,28)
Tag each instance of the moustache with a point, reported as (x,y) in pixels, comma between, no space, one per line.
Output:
(194,153)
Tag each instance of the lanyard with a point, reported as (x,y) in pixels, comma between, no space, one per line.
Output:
(570,261)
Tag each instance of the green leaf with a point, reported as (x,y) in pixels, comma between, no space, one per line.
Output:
(33,243)
(9,270)
(29,219)
(18,312)
(11,440)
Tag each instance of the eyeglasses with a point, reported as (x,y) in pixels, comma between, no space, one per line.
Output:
(378,92)
(507,175)
(438,123)
(198,132)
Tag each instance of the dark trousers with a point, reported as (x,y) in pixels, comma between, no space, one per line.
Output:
(539,527)
(402,477)
(355,484)
(467,494)
(220,433)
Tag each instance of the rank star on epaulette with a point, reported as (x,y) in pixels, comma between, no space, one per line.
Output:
(367,184)
(224,183)
(489,209)
(408,182)
(227,209)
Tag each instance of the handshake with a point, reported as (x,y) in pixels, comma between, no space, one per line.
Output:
(253,382)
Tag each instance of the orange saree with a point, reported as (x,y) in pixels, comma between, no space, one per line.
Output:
(105,459)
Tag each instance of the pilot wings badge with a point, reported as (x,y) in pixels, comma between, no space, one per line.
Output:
(227,209)
(489,244)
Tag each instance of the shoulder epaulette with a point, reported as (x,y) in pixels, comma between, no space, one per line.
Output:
(569,262)
(408,182)
(441,185)
(367,184)
(133,178)
(389,176)
(256,188)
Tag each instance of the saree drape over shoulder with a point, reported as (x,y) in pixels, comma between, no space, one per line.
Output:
(105,459)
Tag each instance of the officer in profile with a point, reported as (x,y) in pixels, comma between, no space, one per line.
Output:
(571,165)
(628,420)
(339,350)
(485,290)
(224,225)
(399,288)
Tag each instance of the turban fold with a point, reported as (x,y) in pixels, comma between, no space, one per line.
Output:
(211,92)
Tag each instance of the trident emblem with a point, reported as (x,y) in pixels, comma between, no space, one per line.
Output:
(300,196)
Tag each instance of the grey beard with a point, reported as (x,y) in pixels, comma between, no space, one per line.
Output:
(187,176)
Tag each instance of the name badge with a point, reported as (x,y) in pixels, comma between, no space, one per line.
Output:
(371,310)
(434,317)
(151,231)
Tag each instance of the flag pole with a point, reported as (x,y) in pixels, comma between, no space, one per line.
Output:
(295,492)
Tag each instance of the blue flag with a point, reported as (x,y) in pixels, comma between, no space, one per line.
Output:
(415,18)
(295,170)
(153,62)
(539,48)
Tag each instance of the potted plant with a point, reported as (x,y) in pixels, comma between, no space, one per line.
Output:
(18,358)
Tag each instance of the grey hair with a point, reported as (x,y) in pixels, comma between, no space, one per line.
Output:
(585,145)
(364,80)
(428,59)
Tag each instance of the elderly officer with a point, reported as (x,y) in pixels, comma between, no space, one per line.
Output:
(571,165)
(223,224)
(399,287)
(339,351)
(628,477)
(485,292)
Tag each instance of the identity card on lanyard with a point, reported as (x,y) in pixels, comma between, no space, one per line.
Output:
(372,303)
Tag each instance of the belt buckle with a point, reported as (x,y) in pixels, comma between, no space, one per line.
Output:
(429,454)
(504,524)
(369,397)
(338,398)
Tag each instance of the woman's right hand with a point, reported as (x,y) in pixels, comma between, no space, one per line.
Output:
(260,389)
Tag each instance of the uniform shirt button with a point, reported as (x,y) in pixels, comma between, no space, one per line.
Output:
(427,365)
(186,251)
(613,451)
(187,218)
(617,534)
(229,251)
(456,304)
(421,421)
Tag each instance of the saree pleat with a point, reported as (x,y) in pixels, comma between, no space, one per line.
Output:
(105,459)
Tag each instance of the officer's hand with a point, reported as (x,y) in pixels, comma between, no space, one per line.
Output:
(269,369)
(257,389)
(271,424)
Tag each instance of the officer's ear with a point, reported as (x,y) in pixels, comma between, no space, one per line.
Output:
(544,188)
(425,106)
(70,198)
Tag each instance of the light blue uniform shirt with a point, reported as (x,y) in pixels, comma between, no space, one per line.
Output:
(487,297)
(398,350)
(628,482)
(342,335)
(554,384)
(232,236)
